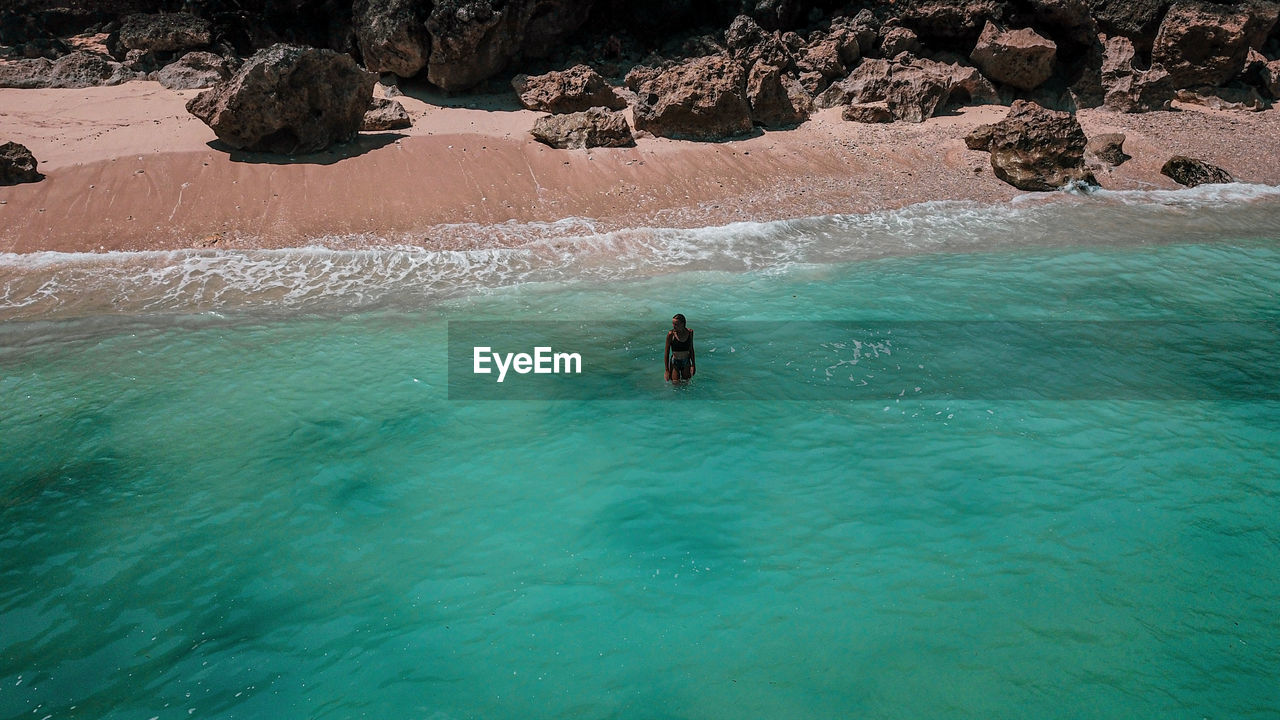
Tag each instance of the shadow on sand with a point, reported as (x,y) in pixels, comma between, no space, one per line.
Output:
(360,145)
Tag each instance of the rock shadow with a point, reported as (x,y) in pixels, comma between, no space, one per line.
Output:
(361,144)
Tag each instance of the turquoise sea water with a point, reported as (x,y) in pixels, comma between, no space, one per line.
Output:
(229,490)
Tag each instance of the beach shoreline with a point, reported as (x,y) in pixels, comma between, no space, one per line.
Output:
(127,169)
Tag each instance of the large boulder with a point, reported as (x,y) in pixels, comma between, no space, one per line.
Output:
(392,35)
(1137,20)
(86,69)
(32,73)
(1192,172)
(949,24)
(1202,43)
(194,70)
(776,98)
(1038,149)
(897,40)
(574,90)
(876,112)
(288,99)
(700,99)
(913,91)
(1128,89)
(1019,58)
(159,32)
(17,165)
(385,114)
(749,43)
(597,127)
(471,40)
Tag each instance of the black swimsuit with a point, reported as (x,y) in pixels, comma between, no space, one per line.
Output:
(678,345)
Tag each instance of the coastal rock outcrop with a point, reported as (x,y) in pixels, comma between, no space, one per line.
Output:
(288,99)
(1128,89)
(1203,43)
(1020,58)
(1107,148)
(385,114)
(160,32)
(392,36)
(777,99)
(85,69)
(1038,149)
(574,90)
(471,40)
(194,70)
(597,127)
(25,73)
(913,91)
(700,99)
(17,165)
(1192,172)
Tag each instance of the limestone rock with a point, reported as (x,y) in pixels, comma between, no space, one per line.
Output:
(1020,58)
(1107,147)
(194,70)
(385,114)
(896,40)
(913,91)
(875,112)
(33,73)
(1224,98)
(17,165)
(700,99)
(85,69)
(1191,172)
(392,35)
(1202,43)
(471,40)
(156,32)
(1128,89)
(1038,149)
(979,138)
(597,127)
(574,90)
(777,99)
(288,99)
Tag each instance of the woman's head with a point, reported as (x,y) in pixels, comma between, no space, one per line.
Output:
(677,319)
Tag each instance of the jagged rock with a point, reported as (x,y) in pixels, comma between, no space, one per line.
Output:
(51,48)
(1271,78)
(574,90)
(897,40)
(1020,58)
(950,24)
(749,44)
(33,73)
(1038,149)
(1191,172)
(1128,89)
(194,70)
(84,69)
(1201,43)
(1137,20)
(288,99)
(776,14)
(865,29)
(823,58)
(17,165)
(700,99)
(777,99)
(385,114)
(979,138)
(392,35)
(1107,147)
(157,32)
(141,61)
(1224,98)
(913,91)
(876,112)
(473,39)
(597,127)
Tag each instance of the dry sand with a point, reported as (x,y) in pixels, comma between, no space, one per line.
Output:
(128,169)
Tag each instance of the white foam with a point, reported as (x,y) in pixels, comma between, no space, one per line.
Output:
(351,272)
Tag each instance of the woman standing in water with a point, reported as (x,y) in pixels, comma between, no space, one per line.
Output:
(677,357)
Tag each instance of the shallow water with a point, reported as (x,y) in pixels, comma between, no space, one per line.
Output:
(268,503)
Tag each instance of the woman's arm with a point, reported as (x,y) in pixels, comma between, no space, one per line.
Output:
(666,358)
